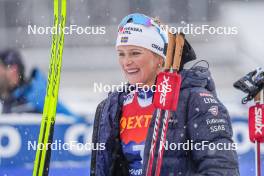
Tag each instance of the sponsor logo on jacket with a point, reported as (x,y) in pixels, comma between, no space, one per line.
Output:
(213,110)
(209,100)
(203,94)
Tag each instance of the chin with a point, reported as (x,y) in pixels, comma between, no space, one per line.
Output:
(134,82)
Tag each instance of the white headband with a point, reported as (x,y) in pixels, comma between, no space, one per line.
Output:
(143,36)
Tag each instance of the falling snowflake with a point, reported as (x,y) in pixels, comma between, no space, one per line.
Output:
(182,135)
(195,125)
(183,22)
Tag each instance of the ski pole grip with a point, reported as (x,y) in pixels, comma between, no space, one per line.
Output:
(179,41)
(170,51)
(259,97)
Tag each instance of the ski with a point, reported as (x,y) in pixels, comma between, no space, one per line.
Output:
(42,159)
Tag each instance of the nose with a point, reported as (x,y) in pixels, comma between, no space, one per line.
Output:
(127,61)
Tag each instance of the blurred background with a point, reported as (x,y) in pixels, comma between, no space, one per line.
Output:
(89,59)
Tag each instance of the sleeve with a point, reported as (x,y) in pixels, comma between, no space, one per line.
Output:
(209,127)
(35,94)
(95,137)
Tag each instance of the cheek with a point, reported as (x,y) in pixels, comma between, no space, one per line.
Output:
(121,64)
(2,70)
(149,66)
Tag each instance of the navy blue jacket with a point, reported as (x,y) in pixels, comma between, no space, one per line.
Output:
(200,117)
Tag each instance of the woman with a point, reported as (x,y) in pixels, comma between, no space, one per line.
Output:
(124,120)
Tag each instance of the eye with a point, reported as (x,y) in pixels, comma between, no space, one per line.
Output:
(121,54)
(134,53)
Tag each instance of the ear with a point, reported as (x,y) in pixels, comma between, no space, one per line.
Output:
(13,75)
(13,69)
(13,72)
(162,61)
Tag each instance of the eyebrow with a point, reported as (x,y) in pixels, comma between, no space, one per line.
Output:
(136,50)
(130,50)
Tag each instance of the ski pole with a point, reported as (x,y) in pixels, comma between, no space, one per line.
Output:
(253,84)
(175,68)
(168,63)
(166,99)
(259,100)
(42,160)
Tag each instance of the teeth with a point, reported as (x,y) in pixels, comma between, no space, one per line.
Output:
(132,70)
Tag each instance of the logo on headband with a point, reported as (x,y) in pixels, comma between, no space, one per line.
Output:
(124,39)
(128,30)
(157,47)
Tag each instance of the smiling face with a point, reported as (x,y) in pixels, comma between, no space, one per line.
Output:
(139,65)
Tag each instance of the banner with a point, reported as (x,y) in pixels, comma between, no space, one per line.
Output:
(19,134)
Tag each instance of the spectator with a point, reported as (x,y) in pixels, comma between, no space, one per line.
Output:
(18,94)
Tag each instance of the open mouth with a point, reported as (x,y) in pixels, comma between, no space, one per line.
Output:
(132,71)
